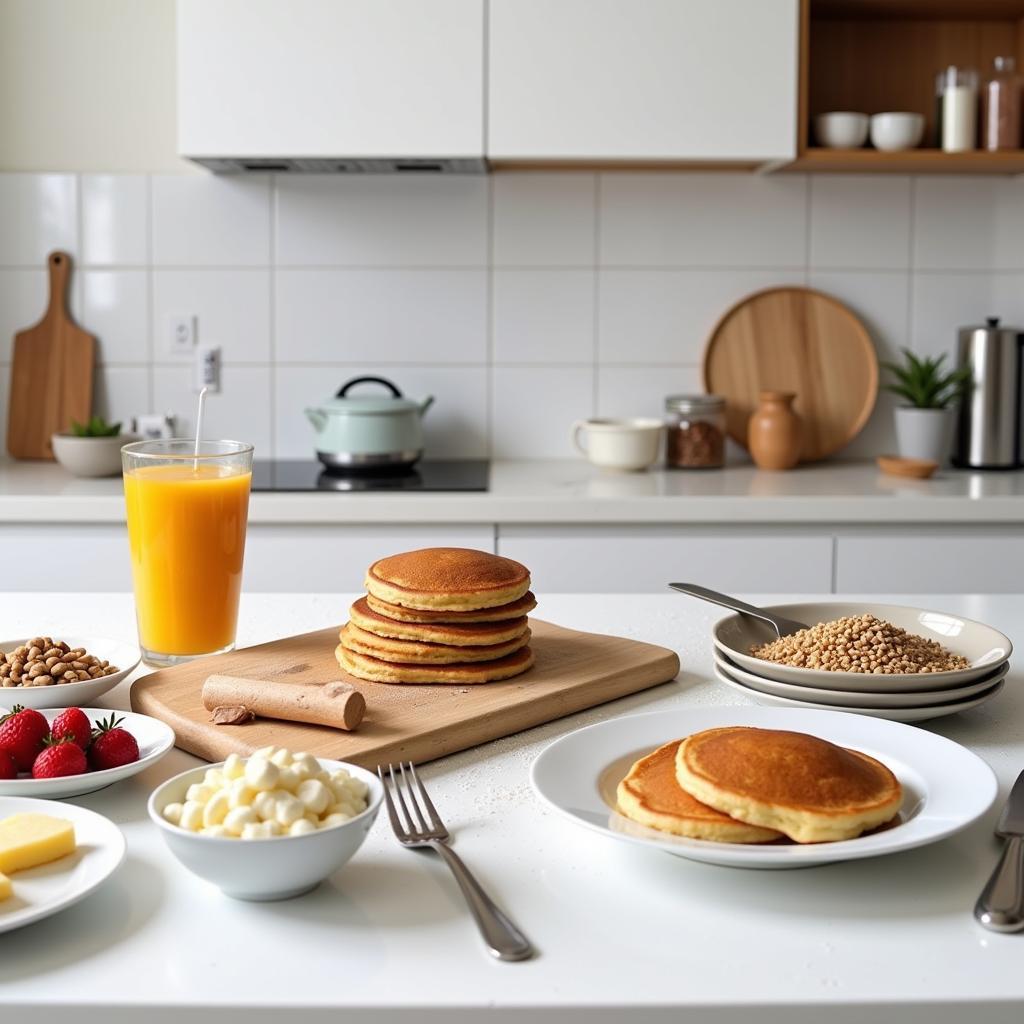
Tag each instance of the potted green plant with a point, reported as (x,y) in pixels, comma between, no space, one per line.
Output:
(91,449)
(924,426)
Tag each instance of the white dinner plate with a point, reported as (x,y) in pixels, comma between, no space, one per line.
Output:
(905,715)
(984,647)
(40,892)
(154,739)
(854,699)
(73,695)
(945,786)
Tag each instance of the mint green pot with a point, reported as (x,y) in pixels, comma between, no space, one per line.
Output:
(369,429)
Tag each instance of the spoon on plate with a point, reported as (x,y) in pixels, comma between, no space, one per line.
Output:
(781,625)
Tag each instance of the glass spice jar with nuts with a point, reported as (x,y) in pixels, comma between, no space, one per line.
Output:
(695,431)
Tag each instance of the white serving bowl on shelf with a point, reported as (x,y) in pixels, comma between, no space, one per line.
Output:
(985,648)
(896,130)
(841,129)
(265,869)
(73,695)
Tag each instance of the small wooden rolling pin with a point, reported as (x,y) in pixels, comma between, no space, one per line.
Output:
(338,705)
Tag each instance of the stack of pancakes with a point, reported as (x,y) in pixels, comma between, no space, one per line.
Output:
(744,785)
(440,615)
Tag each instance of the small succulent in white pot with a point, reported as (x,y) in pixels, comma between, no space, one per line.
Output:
(91,449)
(924,425)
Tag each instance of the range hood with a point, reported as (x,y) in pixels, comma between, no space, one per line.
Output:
(332,86)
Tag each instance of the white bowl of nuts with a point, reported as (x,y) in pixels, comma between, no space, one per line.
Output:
(62,672)
(270,826)
(865,647)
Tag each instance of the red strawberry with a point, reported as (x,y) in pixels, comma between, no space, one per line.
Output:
(8,769)
(112,746)
(59,758)
(74,724)
(22,733)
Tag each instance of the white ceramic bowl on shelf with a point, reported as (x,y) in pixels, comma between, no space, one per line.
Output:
(265,869)
(897,130)
(841,129)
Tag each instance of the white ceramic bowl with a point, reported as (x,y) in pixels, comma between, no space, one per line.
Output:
(73,695)
(984,647)
(90,456)
(841,129)
(153,737)
(896,130)
(265,869)
(624,444)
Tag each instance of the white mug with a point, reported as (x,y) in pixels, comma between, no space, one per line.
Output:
(630,444)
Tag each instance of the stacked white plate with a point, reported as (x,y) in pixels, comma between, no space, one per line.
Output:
(909,697)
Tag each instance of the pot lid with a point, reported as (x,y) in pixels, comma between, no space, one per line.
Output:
(369,404)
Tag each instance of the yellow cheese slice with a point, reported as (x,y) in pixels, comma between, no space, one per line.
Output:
(28,840)
(5,887)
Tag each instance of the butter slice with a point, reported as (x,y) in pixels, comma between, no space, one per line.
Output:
(28,840)
(5,887)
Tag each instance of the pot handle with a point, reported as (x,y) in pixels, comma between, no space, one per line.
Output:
(343,390)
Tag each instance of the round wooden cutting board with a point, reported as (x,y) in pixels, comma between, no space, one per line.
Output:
(799,340)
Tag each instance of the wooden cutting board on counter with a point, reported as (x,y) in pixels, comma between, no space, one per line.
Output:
(573,671)
(51,373)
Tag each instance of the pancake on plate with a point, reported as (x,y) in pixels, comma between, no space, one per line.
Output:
(414,652)
(365,667)
(805,787)
(500,613)
(470,634)
(651,796)
(449,579)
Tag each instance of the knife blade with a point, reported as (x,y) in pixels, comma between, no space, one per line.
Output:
(1000,906)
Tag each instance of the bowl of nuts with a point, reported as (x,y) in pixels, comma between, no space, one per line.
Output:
(54,672)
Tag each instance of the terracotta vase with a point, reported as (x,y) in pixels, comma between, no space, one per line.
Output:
(775,433)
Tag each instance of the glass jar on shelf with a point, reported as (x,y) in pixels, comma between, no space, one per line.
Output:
(695,431)
(1000,107)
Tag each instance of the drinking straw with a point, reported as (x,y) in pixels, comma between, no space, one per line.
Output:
(199,427)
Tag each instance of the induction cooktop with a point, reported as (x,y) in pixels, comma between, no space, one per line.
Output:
(426,475)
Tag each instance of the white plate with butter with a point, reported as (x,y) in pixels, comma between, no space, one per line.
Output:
(45,890)
(153,737)
(945,786)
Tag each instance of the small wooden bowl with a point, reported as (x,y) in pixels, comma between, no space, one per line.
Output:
(919,469)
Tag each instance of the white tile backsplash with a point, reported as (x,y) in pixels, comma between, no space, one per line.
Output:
(232,308)
(115,219)
(382,220)
(522,301)
(703,220)
(666,316)
(115,306)
(210,220)
(544,219)
(877,237)
(543,316)
(391,316)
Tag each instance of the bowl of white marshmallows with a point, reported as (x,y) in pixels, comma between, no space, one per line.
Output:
(269,826)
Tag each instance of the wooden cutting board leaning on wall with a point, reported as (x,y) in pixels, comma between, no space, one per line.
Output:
(51,373)
(416,723)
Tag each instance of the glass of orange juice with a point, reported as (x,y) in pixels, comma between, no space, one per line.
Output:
(186,531)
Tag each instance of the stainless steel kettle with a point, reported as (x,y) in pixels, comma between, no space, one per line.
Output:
(989,432)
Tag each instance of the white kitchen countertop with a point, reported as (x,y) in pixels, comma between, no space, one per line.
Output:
(572,491)
(623,932)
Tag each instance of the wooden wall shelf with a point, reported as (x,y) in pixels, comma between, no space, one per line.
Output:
(911,161)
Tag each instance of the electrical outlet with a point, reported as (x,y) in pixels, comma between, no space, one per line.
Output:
(179,333)
(207,368)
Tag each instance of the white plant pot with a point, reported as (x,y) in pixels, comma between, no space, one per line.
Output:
(925,433)
(90,456)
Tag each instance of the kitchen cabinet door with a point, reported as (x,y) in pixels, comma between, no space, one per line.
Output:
(642,80)
(954,560)
(330,78)
(643,559)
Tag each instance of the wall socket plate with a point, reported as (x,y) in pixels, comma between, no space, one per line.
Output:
(179,333)
(207,369)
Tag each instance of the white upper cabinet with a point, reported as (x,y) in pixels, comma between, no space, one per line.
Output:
(673,80)
(360,79)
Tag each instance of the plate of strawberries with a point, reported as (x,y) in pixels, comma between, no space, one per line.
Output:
(62,752)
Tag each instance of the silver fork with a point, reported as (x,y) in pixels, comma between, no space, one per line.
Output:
(503,938)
